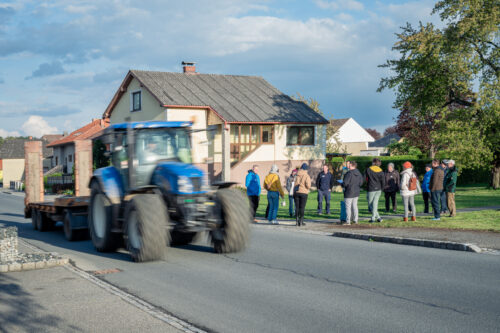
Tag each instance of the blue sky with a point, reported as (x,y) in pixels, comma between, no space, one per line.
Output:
(61,61)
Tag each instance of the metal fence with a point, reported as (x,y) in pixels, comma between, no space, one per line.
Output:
(57,180)
(16,185)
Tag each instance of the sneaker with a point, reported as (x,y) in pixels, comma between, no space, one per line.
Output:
(303,223)
(379,219)
(348,223)
(436,219)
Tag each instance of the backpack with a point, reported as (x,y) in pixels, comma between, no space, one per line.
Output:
(412,184)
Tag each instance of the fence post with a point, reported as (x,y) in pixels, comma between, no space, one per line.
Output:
(83,167)
(33,170)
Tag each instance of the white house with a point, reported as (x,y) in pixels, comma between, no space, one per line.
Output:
(352,136)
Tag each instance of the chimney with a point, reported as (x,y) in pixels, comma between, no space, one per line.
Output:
(189,67)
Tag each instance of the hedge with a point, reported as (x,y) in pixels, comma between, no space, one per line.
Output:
(466,176)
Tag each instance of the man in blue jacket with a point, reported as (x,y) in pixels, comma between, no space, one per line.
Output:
(324,184)
(252,183)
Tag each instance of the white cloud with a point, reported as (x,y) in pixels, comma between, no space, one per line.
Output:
(340,4)
(4,133)
(36,126)
(79,9)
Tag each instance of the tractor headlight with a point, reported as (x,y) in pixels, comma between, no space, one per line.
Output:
(205,186)
(184,184)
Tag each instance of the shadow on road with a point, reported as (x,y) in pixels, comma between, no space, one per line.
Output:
(20,312)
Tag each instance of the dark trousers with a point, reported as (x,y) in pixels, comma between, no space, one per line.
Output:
(324,195)
(426,196)
(444,204)
(392,197)
(300,206)
(435,200)
(254,203)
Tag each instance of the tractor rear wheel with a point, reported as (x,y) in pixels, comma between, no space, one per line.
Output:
(100,222)
(234,232)
(146,227)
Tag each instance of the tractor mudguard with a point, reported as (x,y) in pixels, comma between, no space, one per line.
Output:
(111,183)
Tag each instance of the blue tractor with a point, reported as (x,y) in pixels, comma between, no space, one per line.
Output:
(152,196)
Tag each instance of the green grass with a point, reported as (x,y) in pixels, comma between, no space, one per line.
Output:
(486,220)
(465,197)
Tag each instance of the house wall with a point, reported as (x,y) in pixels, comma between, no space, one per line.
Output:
(150,107)
(13,169)
(354,148)
(351,131)
(63,156)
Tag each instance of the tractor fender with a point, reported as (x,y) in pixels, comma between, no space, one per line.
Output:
(110,182)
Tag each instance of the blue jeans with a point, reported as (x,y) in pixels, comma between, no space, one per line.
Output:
(326,195)
(435,200)
(274,202)
(444,203)
(291,205)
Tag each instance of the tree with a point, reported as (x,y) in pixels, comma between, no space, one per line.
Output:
(374,133)
(311,102)
(449,80)
(390,130)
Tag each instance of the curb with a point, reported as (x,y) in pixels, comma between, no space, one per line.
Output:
(19,265)
(412,241)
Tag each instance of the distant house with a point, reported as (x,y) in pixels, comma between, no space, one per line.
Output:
(379,147)
(252,122)
(12,159)
(352,136)
(64,148)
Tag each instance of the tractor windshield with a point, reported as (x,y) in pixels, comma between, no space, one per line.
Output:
(153,145)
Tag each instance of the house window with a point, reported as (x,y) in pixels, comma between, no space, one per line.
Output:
(70,158)
(246,138)
(135,101)
(300,136)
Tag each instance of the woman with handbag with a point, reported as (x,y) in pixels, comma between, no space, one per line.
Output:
(301,191)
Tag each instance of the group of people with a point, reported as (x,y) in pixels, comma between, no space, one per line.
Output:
(298,186)
(438,187)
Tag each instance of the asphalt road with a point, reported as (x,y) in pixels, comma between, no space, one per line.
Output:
(297,282)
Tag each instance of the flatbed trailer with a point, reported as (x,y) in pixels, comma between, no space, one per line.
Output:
(72,211)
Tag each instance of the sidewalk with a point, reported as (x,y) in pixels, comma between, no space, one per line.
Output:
(59,300)
(483,239)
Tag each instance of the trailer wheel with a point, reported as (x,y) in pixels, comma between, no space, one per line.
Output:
(181,238)
(72,234)
(233,235)
(146,222)
(42,221)
(34,216)
(100,221)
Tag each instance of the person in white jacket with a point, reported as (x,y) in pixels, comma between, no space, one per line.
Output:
(409,190)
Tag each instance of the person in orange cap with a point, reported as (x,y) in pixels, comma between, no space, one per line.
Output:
(409,188)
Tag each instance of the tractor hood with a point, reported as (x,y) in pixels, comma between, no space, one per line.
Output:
(179,169)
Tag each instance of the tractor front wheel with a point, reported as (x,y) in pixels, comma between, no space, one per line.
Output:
(146,227)
(233,234)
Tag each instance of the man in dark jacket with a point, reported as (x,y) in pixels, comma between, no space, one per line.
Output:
(352,183)
(444,204)
(391,187)
(324,184)
(375,179)
(450,185)
(436,187)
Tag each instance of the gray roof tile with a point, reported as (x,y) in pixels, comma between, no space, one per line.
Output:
(236,98)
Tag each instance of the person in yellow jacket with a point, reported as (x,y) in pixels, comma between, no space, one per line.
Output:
(272,184)
(302,188)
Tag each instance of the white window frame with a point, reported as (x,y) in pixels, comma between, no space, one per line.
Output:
(132,100)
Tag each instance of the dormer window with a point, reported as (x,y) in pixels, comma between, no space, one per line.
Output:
(135,101)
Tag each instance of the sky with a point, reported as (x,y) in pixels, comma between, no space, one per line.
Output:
(61,61)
